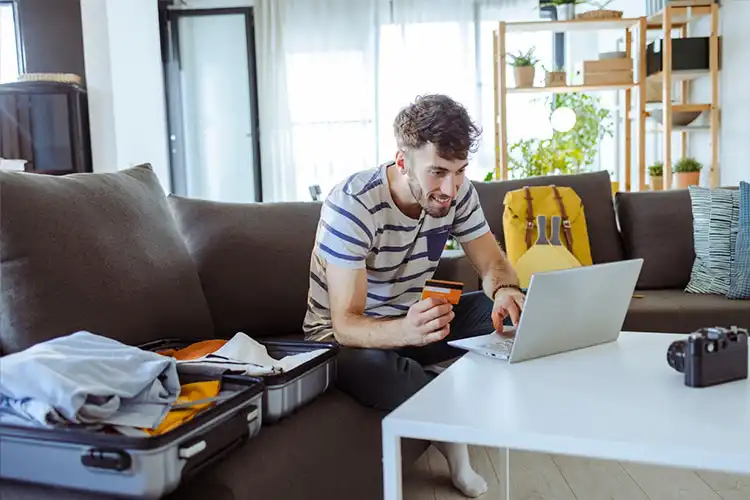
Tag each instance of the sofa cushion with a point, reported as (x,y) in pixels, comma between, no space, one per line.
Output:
(680,312)
(657,226)
(97,252)
(739,286)
(253,260)
(595,191)
(715,220)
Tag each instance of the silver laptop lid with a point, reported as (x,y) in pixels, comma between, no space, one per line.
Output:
(575,308)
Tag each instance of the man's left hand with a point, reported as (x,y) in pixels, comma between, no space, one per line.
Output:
(508,302)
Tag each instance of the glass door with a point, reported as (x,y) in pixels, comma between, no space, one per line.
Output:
(212,100)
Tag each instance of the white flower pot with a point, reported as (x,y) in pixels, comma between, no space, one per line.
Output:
(566,12)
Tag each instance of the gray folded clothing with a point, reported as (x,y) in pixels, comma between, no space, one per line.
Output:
(86,379)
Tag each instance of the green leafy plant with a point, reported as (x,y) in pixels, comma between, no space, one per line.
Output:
(568,152)
(686,165)
(656,170)
(523,58)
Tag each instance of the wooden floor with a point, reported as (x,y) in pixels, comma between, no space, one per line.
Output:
(538,476)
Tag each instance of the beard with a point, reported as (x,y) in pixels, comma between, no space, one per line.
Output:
(428,201)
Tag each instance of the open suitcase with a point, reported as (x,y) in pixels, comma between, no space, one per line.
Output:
(143,466)
(284,393)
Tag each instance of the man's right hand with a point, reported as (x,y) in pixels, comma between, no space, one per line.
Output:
(427,321)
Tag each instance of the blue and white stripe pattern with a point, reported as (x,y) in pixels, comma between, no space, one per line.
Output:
(361,227)
(739,286)
(715,220)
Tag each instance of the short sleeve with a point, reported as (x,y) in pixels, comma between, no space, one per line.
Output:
(345,232)
(469,222)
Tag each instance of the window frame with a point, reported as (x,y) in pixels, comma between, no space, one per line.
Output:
(20,52)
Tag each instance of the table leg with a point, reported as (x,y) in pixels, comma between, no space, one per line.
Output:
(392,480)
(505,472)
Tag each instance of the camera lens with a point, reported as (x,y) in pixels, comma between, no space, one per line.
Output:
(676,355)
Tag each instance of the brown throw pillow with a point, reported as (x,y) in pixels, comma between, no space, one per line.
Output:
(97,252)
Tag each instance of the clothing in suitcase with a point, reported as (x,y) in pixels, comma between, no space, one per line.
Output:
(75,440)
(294,373)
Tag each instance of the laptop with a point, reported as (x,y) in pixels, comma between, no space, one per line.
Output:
(564,311)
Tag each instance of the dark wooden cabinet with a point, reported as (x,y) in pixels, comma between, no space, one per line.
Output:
(46,124)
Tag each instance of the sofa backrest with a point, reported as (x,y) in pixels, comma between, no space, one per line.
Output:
(253,260)
(595,191)
(97,252)
(658,227)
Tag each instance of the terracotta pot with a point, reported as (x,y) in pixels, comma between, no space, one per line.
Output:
(684,179)
(554,78)
(524,76)
(657,183)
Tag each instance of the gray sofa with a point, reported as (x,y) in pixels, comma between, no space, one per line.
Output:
(111,254)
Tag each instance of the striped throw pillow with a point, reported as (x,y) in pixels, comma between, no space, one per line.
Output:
(715,221)
(739,283)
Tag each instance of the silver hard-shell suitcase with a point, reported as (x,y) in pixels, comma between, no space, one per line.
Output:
(143,467)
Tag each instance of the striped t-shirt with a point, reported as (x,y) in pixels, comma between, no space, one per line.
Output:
(361,227)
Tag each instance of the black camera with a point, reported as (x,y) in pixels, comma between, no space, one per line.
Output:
(711,356)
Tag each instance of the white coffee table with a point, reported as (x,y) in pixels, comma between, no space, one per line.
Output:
(618,401)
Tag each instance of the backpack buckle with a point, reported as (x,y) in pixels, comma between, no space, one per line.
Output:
(566,223)
(530,223)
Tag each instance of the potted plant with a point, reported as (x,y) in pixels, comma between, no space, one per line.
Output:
(523,67)
(656,176)
(687,172)
(566,9)
(554,77)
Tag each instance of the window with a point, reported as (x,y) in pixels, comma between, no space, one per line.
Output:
(343,91)
(10,66)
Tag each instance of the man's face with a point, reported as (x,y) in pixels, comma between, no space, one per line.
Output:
(434,181)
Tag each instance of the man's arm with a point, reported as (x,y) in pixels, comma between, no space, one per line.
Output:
(427,321)
(490,262)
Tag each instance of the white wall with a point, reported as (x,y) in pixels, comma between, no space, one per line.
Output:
(734,99)
(125,85)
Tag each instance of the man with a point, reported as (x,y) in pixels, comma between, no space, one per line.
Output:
(380,237)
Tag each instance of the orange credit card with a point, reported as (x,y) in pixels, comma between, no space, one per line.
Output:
(448,290)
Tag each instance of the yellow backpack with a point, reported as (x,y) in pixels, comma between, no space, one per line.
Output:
(522,206)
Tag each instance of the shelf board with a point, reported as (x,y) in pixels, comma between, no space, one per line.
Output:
(571,88)
(683,12)
(571,25)
(680,75)
(687,107)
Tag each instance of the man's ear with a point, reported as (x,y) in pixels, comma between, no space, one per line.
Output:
(401,162)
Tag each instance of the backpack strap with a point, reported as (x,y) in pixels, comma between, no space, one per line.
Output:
(529,216)
(565,221)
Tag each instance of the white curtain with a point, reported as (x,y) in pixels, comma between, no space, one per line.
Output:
(333,74)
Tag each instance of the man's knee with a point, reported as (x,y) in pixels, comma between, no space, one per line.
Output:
(379,378)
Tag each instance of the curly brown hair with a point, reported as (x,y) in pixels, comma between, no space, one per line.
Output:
(439,120)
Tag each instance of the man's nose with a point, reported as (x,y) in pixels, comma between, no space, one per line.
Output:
(448,187)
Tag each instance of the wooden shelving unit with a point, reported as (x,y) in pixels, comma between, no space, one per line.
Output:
(501,88)
(678,14)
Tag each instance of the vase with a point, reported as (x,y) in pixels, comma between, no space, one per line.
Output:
(566,11)
(656,182)
(524,76)
(684,179)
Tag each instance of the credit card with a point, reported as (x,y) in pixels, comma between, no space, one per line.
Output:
(448,290)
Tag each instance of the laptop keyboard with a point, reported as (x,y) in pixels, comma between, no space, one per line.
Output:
(501,346)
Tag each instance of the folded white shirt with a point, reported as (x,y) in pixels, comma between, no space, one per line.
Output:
(245,356)
(86,379)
